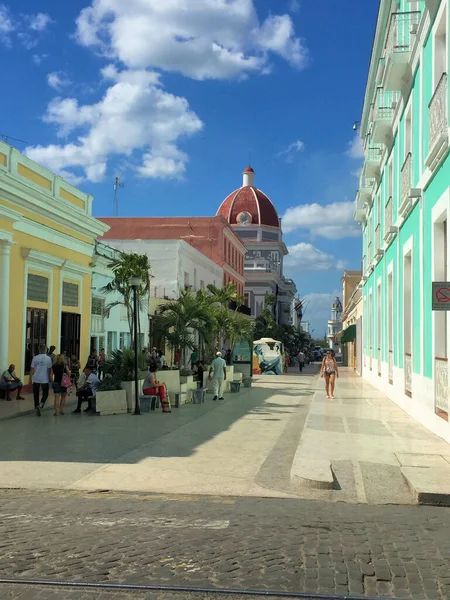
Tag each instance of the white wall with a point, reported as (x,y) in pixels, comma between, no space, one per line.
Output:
(170,260)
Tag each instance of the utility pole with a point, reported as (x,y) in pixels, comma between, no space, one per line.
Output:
(117,184)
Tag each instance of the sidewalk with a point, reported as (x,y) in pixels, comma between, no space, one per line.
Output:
(362,447)
(18,408)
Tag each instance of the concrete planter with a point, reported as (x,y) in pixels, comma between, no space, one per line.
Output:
(128,387)
(113,402)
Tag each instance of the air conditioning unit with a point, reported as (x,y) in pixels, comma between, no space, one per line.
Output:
(414,28)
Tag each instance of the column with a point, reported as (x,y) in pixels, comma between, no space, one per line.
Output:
(5,286)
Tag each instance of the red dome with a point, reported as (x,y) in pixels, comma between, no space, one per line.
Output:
(249,169)
(250,200)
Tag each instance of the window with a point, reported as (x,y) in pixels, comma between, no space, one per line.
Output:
(70,294)
(37,288)
(98,306)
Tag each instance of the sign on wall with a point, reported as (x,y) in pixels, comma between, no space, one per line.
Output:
(441,295)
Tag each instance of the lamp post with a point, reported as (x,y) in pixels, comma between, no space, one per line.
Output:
(135,282)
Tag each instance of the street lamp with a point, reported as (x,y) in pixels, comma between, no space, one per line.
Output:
(135,282)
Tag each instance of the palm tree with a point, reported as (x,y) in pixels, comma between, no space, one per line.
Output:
(123,267)
(180,319)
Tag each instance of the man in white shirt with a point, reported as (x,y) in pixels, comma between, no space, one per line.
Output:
(301,360)
(10,382)
(218,370)
(41,376)
(87,391)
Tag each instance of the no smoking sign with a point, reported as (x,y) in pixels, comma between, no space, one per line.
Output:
(441,295)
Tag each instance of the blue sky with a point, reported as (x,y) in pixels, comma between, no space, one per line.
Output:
(179,101)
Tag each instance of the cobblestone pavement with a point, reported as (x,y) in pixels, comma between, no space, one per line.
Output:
(270,544)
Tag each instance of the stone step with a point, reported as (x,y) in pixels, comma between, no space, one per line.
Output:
(429,485)
(312,472)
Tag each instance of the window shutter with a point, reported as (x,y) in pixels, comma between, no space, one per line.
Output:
(70,294)
(37,289)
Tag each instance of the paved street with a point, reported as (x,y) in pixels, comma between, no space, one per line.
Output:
(247,543)
(244,446)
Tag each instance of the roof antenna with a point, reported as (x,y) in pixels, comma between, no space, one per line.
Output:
(117,184)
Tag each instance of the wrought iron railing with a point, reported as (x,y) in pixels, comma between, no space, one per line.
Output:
(406,177)
(388,216)
(438,119)
(374,152)
(385,104)
(441,385)
(402,30)
(369,252)
(367,182)
(408,374)
(377,237)
(391,367)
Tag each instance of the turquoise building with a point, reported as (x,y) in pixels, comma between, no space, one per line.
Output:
(403,205)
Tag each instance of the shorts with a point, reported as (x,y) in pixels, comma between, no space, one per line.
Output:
(58,388)
(330,373)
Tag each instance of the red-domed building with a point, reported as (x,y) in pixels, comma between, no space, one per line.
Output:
(255,220)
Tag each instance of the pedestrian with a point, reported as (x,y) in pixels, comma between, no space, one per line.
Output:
(228,357)
(199,369)
(301,360)
(153,387)
(10,382)
(218,373)
(101,363)
(92,361)
(194,358)
(74,371)
(61,382)
(51,353)
(41,376)
(329,370)
(87,391)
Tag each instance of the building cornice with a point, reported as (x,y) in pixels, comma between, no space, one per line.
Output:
(43,203)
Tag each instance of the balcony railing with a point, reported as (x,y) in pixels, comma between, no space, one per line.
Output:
(379,362)
(391,367)
(97,324)
(401,33)
(441,386)
(385,104)
(408,374)
(406,178)
(374,152)
(438,119)
(369,252)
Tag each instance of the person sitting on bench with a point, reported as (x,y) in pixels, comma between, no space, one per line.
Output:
(10,382)
(153,387)
(87,391)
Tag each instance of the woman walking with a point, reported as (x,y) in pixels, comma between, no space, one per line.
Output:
(153,387)
(329,370)
(61,381)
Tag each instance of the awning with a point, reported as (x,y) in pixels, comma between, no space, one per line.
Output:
(349,334)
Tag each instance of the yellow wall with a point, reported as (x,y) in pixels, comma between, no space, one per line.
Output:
(18,295)
(34,177)
(3,159)
(71,198)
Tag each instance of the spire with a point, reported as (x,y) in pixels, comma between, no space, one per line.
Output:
(248,177)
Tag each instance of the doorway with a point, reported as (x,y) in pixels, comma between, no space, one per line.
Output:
(36,334)
(70,334)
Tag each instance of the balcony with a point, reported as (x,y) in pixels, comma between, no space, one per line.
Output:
(410,195)
(437,125)
(97,324)
(371,168)
(367,189)
(390,229)
(408,374)
(369,266)
(359,213)
(432,6)
(441,387)
(399,44)
(261,264)
(383,115)
(378,250)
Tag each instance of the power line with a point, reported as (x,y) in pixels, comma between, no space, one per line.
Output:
(5,137)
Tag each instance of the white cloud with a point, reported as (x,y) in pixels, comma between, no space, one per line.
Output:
(58,80)
(39,58)
(334,221)
(294,6)
(355,148)
(290,152)
(135,118)
(318,310)
(6,26)
(205,39)
(306,257)
(39,22)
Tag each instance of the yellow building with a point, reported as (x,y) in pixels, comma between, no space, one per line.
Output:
(47,235)
(351,317)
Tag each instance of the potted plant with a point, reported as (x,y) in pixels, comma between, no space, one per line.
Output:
(121,366)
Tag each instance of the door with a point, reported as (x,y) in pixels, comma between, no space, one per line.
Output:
(36,334)
(70,334)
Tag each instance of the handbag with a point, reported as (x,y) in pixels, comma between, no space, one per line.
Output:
(65,381)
